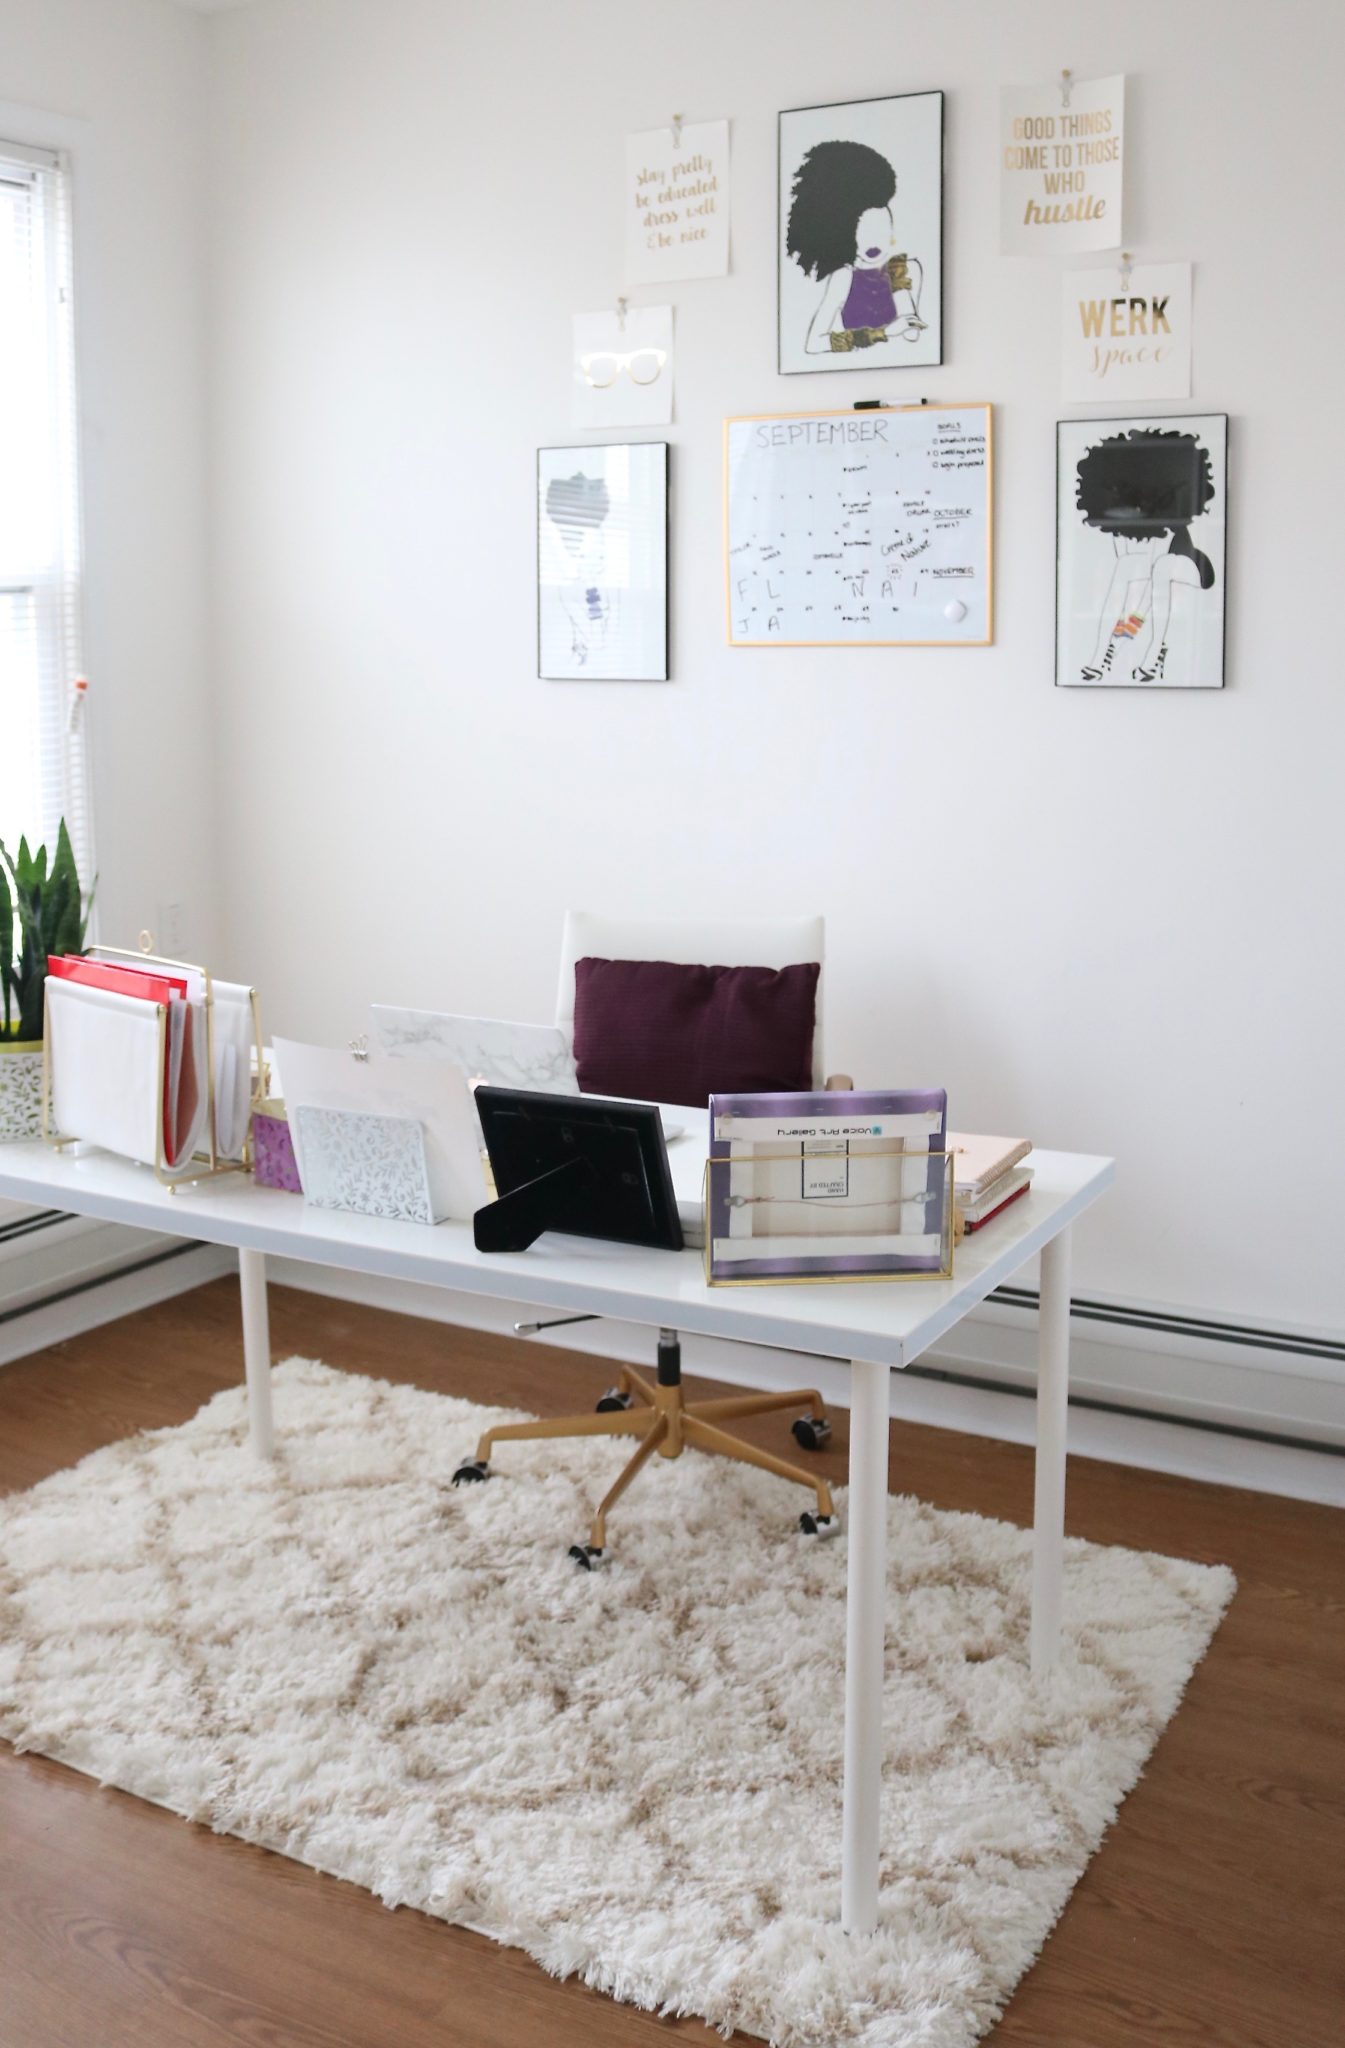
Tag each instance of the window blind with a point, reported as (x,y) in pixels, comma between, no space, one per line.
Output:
(43,742)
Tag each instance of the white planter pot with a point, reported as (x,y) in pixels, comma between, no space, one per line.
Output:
(21,1090)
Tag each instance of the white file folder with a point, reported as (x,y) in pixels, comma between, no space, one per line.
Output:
(115,1063)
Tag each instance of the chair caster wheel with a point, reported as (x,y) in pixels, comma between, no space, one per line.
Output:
(471,1471)
(612,1400)
(812,1431)
(585,1556)
(817,1525)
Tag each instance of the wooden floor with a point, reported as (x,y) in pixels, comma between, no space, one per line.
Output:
(1211,1916)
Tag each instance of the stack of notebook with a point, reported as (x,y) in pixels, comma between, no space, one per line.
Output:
(988,1175)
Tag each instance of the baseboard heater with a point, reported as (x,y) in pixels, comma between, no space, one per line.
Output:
(1134,1414)
(74,1288)
(1166,1323)
(1161,1323)
(25,1226)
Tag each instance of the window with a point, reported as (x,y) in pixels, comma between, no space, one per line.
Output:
(43,768)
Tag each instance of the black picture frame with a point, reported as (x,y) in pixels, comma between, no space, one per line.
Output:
(604,662)
(586,1165)
(864,357)
(1138,658)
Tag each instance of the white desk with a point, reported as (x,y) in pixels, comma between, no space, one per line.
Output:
(878,1327)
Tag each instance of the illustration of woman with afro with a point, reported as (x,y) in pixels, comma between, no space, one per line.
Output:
(841,232)
(1143,489)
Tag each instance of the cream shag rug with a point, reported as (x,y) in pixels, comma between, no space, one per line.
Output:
(634,1775)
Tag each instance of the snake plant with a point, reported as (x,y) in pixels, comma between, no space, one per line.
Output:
(41,912)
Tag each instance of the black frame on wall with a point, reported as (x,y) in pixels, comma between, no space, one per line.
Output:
(601,448)
(862,358)
(1116,426)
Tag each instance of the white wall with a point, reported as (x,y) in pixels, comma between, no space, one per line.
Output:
(120,83)
(1134,942)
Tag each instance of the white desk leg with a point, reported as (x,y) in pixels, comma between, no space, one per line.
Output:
(865,1609)
(1048,1520)
(257,1351)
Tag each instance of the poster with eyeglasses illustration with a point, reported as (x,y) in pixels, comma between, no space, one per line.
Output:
(622,368)
(861,235)
(1142,512)
(602,563)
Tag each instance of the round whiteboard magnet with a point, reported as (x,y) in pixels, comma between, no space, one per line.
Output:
(955,610)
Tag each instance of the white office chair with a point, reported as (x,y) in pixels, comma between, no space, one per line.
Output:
(662,1420)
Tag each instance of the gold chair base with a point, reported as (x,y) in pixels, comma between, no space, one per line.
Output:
(665,1423)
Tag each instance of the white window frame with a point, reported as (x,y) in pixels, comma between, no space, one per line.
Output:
(54,583)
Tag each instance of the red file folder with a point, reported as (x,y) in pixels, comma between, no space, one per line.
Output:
(120,980)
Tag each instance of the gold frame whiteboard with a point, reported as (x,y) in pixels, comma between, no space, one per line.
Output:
(851,413)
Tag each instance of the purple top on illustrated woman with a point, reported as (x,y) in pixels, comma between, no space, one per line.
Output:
(869,301)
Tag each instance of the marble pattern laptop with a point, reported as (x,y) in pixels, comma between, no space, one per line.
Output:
(486,1048)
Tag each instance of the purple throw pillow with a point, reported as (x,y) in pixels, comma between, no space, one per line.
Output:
(666,1033)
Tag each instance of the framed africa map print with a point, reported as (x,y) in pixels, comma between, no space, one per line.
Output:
(602,563)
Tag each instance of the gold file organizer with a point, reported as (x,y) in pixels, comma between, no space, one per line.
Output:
(198,1166)
(787,1269)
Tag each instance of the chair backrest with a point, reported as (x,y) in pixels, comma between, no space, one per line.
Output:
(712,942)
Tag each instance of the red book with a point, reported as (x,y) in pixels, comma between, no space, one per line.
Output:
(999,1208)
(151,986)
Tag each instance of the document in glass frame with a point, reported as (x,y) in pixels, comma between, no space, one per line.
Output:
(828,1186)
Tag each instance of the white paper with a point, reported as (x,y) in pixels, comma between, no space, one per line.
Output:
(621,368)
(233,1032)
(1061,168)
(432,1091)
(1126,340)
(676,202)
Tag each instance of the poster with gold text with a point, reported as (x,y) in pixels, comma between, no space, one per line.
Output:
(1126,337)
(1061,167)
(677,202)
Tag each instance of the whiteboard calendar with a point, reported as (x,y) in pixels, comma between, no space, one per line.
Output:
(859,529)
